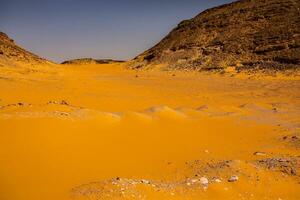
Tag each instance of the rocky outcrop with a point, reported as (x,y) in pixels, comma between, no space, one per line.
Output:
(246,34)
(85,61)
(11,52)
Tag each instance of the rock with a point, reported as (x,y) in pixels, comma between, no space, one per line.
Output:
(259,153)
(233,178)
(217,180)
(204,181)
(194,180)
(295,137)
(287,165)
(145,181)
(293,171)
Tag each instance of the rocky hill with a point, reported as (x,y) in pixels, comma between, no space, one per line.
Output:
(246,34)
(11,52)
(84,61)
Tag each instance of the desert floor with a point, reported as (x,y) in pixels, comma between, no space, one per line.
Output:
(104,132)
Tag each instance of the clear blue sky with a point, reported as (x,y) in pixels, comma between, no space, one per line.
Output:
(118,29)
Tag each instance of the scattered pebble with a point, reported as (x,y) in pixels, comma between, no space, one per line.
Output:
(63,102)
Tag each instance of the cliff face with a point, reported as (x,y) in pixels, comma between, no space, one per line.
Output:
(10,52)
(247,34)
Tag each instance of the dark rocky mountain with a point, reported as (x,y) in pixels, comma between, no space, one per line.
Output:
(246,34)
(11,52)
(84,61)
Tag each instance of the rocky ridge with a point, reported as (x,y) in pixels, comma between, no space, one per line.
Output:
(11,52)
(246,34)
(84,61)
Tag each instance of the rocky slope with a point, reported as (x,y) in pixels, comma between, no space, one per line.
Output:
(246,34)
(11,52)
(84,61)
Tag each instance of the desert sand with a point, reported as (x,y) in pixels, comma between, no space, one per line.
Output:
(107,132)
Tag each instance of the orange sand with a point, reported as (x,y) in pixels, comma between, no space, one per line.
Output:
(65,127)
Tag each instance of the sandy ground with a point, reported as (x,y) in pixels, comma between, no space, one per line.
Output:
(104,132)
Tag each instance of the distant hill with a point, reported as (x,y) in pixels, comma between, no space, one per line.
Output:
(84,61)
(246,34)
(11,52)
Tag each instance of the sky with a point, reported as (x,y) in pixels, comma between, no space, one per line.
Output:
(118,29)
